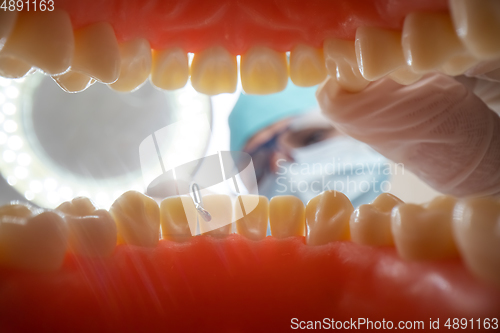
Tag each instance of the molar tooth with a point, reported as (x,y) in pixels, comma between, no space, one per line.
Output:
(42,39)
(405,76)
(32,242)
(220,208)
(477,23)
(137,218)
(135,65)
(424,233)
(253,225)
(263,71)
(307,66)
(341,62)
(287,216)
(476,226)
(73,82)
(429,40)
(214,71)
(170,69)
(327,218)
(97,53)
(7,22)
(378,51)
(371,224)
(177,218)
(13,68)
(92,231)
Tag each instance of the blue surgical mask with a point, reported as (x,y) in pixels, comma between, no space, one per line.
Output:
(338,163)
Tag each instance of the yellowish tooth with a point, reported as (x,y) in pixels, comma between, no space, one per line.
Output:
(429,40)
(43,40)
(405,76)
(287,216)
(214,71)
(371,224)
(7,22)
(253,225)
(137,218)
(16,209)
(93,235)
(97,53)
(307,66)
(177,218)
(32,242)
(476,226)
(263,71)
(135,65)
(73,82)
(327,218)
(378,51)
(13,68)
(341,62)
(220,208)
(477,23)
(170,69)
(459,64)
(424,233)
(79,206)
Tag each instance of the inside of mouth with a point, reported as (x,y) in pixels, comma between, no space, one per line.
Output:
(136,286)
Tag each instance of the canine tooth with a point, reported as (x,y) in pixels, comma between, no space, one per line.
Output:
(253,225)
(287,216)
(214,71)
(42,39)
(405,76)
(476,226)
(7,22)
(177,218)
(429,40)
(73,82)
(35,243)
(378,51)
(459,64)
(13,68)
(137,218)
(424,233)
(220,208)
(307,66)
(97,53)
(327,218)
(135,65)
(79,206)
(170,69)
(371,224)
(477,23)
(263,71)
(341,62)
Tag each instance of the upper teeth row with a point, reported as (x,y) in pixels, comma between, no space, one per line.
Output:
(442,229)
(427,42)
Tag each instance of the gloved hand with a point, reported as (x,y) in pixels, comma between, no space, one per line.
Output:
(437,127)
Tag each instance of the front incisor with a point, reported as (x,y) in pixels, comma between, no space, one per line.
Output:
(220,208)
(287,216)
(178,218)
(263,71)
(253,224)
(137,218)
(135,65)
(43,40)
(424,232)
(476,227)
(170,69)
(370,224)
(307,66)
(214,71)
(327,218)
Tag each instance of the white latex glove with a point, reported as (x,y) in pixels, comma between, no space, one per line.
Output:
(438,128)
